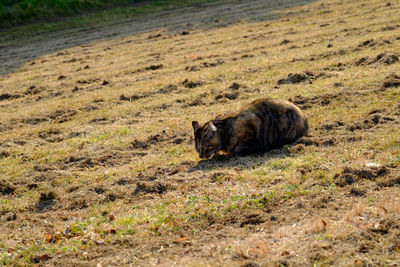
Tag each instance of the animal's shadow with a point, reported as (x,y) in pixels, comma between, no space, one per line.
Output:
(247,162)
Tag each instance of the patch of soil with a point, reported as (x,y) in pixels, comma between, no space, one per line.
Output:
(61,116)
(7,217)
(242,219)
(183,166)
(52,135)
(8,97)
(322,141)
(88,81)
(235,86)
(91,107)
(151,188)
(191,84)
(34,121)
(154,67)
(101,158)
(75,134)
(307,102)
(46,202)
(163,106)
(204,65)
(157,138)
(168,89)
(162,137)
(136,144)
(98,120)
(372,119)
(357,192)
(151,67)
(390,28)
(383,58)
(389,182)
(196,102)
(229,96)
(134,97)
(78,202)
(33,90)
(391,80)
(294,78)
(154,36)
(328,126)
(6,189)
(4,154)
(350,175)
(370,42)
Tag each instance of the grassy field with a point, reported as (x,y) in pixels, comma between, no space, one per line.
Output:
(97,164)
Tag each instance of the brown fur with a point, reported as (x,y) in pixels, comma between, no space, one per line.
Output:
(262,125)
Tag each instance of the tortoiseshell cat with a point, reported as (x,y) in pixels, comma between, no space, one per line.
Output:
(262,125)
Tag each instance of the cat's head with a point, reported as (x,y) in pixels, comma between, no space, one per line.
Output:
(206,139)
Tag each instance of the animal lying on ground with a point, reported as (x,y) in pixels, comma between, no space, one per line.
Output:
(262,125)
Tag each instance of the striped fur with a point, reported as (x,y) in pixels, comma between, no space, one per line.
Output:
(262,125)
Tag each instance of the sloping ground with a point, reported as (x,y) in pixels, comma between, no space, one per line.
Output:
(98,167)
(25,43)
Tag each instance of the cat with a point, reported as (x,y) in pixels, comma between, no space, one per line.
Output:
(262,125)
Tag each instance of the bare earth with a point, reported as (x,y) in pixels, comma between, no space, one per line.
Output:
(97,164)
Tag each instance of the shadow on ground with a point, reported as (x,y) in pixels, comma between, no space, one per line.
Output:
(15,53)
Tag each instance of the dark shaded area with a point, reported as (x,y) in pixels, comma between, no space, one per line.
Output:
(16,52)
(16,12)
(46,201)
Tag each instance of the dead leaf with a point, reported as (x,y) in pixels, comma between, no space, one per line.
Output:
(180,240)
(53,237)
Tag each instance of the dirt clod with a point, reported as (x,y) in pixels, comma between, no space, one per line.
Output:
(4,154)
(383,58)
(350,176)
(157,188)
(5,188)
(136,144)
(191,84)
(46,201)
(392,80)
(357,192)
(154,67)
(234,86)
(32,90)
(8,96)
(286,41)
(369,42)
(9,216)
(294,78)
(253,219)
(230,96)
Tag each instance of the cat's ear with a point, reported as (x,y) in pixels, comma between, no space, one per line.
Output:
(195,125)
(212,127)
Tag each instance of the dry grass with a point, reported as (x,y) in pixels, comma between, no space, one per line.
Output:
(97,163)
